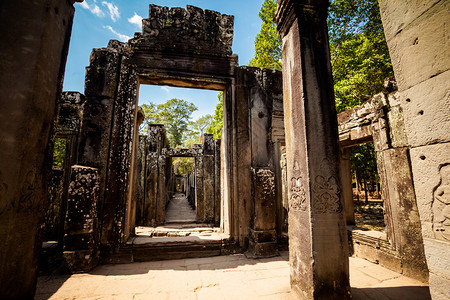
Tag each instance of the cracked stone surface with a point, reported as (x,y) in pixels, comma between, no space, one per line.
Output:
(220,277)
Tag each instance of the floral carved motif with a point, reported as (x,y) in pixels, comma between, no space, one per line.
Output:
(326,195)
(298,196)
(441,205)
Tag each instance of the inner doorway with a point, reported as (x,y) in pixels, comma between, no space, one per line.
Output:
(179,158)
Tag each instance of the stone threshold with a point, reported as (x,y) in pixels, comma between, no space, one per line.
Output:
(176,230)
(196,244)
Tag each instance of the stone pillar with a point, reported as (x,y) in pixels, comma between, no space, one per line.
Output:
(262,227)
(114,219)
(161,197)
(347,189)
(262,233)
(317,234)
(100,91)
(284,188)
(208,177)
(35,39)
(151,189)
(217,164)
(81,235)
(199,198)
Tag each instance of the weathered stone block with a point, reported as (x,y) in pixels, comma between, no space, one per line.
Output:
(208,144)
(81,236)
(80,261)
(70,113)
(399,15)
(189,30)
(264,199)
(82,200)
(102,73)
(426,109)
(420,50)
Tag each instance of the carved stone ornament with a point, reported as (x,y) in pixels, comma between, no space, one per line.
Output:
(441,205)
(298,196)
(326,195)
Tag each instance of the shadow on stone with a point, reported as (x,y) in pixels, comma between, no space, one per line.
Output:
(401,292)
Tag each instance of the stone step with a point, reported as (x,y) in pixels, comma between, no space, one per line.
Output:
(176,229)
(140,248)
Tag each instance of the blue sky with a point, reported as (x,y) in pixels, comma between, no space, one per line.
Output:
(98,21)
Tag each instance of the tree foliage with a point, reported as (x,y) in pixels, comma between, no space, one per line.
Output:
(59,152)
(359,54)
(267,42)
(362,164)
(184,165)
(217,120)
(175,115)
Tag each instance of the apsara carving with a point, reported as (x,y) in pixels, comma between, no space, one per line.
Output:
(298,196)
(441,205)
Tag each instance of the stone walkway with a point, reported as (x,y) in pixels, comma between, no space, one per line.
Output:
(179,210)
(220,277)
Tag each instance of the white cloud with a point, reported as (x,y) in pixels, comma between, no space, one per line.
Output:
(164,88)
(94,9)
(97,11)
(121,37)
(84,5)
(136,19)
(113,10)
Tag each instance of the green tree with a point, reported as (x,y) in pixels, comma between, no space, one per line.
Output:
(198,128)
(359,53)
(184,165)
(267,42)
(175,115)
(216,124)
(364,164)
(59,152)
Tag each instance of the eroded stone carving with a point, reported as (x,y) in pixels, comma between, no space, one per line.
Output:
(441,205)
(28,200)
(190,30)
(298,196)
(326,195)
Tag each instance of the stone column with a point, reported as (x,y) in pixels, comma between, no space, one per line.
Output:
(208,177)
(120,158)
(161,197)
(347,189)
(199,198)
(317,234)
(81,235)
(35,39)
(217,181)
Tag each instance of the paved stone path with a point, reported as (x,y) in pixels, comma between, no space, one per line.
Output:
(220,277)
(179,210)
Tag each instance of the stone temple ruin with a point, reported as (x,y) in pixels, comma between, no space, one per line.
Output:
(279,177)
